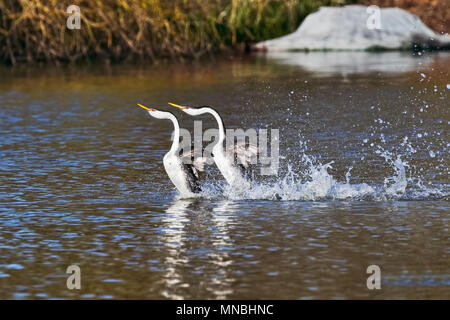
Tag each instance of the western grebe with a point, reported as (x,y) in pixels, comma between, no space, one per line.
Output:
(234,174)
(181,169)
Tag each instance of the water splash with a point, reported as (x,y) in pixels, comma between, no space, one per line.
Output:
(416,162)
(317,184)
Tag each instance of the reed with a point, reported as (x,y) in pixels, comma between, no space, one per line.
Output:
(35,30)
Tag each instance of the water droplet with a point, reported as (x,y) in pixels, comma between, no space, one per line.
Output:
(14,266)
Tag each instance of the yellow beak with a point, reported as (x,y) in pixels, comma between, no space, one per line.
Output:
(140,105)
(176,105)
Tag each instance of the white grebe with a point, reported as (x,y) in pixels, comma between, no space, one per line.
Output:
(234,174)
(182,171)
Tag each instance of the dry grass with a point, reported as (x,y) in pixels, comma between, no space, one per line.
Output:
(35,30)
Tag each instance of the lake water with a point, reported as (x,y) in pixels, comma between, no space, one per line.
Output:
(363,180)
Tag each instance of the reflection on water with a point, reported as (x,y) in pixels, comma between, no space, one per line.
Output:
(175,238)
(353,62)
(208,240)
(81,181)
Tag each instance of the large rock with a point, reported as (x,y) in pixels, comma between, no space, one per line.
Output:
(348,28)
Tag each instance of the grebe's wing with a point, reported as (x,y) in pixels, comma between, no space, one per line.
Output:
(195,164)
(244,151)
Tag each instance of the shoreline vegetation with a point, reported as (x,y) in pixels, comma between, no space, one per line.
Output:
(34,31)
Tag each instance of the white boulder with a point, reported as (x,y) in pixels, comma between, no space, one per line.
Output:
(357,27)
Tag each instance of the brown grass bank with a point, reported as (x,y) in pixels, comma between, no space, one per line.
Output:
(35,30)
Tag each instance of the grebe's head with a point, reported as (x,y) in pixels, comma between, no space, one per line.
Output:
(156,113)
(192,111)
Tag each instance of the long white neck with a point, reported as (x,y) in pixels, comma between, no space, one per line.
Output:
(176,134)
(220,124)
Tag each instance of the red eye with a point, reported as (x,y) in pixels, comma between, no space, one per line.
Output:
(187,107)
(153,109)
